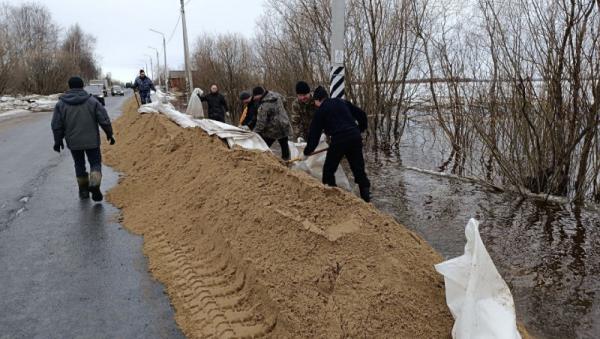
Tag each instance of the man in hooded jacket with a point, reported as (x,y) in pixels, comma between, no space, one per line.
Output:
(77,115)
(272,120)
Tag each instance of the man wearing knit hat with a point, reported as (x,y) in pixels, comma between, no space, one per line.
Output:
(303,110)
(77,115)
(338,118)
(248,116)
(272,121)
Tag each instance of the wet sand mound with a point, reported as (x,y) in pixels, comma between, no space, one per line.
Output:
(246,247)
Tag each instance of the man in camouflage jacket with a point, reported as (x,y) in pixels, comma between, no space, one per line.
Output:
(272,121)
(303,110)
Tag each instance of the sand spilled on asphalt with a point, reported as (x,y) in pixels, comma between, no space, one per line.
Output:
(246,247)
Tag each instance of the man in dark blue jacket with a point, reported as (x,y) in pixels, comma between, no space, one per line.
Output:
(77,115)
(338,119)
(143,84)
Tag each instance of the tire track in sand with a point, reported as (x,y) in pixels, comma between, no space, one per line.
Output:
(214,291)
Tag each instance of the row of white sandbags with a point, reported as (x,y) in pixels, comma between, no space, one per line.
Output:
(240,137)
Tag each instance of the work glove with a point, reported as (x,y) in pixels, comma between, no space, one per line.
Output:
(111,140)
(58,146)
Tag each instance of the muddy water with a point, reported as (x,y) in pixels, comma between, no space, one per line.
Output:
(548,253)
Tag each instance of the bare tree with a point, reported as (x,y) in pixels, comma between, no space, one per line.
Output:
(32,57)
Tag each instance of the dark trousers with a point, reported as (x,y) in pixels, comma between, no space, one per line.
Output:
(217,117)
(145,97)
(352,150)
(285,148)
(94,158)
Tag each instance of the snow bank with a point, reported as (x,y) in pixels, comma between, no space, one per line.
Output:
(32,103)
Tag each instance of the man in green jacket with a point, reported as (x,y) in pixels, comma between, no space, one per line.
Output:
(303,110)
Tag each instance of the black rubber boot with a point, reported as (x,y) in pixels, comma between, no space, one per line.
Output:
(83,183)
(95,180)
(365,193)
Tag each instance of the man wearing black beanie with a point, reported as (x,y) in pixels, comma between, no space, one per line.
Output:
(338,118)
(303,110)
(77,115)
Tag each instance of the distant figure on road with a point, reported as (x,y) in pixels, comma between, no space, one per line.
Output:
(272,120)
(338,118)
(77,115)
(303,110)
(217,106)
(143,84)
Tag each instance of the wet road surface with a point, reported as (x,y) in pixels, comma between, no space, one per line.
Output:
(68,269)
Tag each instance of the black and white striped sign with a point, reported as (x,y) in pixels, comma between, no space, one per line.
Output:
(337,82)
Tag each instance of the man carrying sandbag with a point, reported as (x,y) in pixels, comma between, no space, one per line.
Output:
(338,119)
(77,115)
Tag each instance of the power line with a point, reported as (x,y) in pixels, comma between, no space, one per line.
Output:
(174,29)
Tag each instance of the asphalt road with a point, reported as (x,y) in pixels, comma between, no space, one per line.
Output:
(67,268)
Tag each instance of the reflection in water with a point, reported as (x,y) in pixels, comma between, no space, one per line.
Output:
(548,253)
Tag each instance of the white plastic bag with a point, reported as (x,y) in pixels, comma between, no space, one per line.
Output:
(194,107)
(313,165)
(478,297)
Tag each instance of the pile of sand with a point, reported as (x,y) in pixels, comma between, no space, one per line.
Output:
(246,247)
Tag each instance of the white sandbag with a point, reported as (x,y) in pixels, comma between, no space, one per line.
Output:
(313,165)
(194,107)
(478,298)
(234,136)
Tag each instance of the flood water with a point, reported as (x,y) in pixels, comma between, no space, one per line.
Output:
(548,253)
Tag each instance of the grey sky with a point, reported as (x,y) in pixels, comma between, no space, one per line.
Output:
(121,27)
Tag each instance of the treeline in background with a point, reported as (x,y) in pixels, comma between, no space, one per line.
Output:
(512,87)
(38,56)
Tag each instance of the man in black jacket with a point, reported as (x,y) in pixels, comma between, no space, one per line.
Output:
(217,106)
(338,118)
(77,115)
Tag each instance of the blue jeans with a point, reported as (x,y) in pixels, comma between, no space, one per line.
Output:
(145,97)
(94,158)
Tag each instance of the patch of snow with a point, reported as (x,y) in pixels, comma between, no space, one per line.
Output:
(31,103)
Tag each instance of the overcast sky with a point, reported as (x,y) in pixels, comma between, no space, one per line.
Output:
(121,27)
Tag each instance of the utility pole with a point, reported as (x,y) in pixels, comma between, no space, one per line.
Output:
(157,65)
(338,28)
(188,69)
(166,73)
